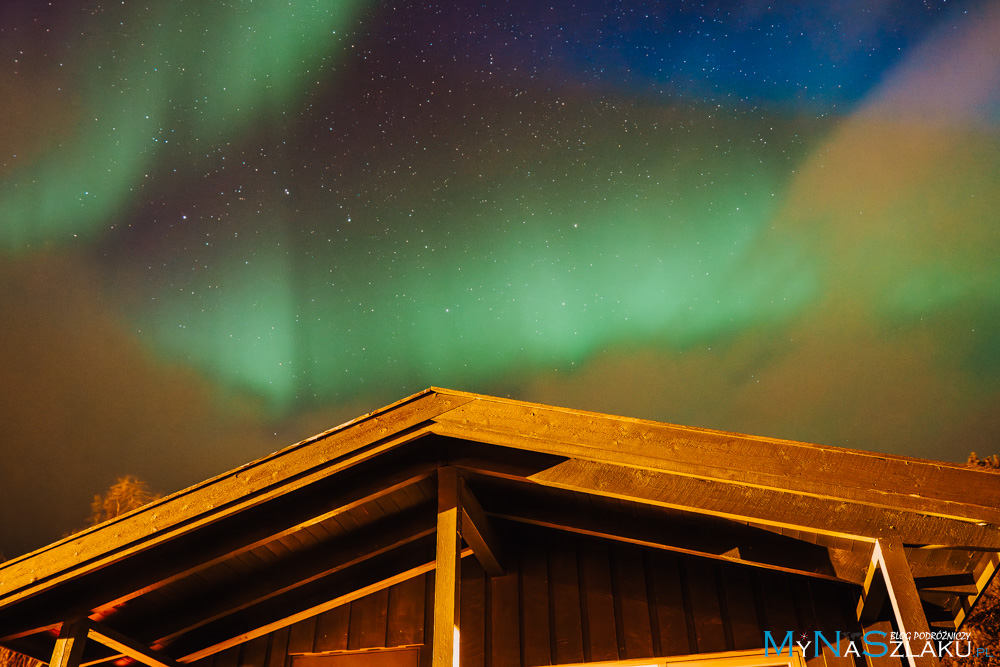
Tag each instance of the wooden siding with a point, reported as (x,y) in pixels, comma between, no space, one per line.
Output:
(567,599)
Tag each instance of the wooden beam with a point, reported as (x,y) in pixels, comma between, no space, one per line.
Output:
(68,650)
(873,592)
(448,571)
(707,537)
(127,646)
(285,575)
(902,594)
(373,574)
(782,509)
(231,541)
(983,572)
(478,531)
(280,623)
(104,591)
(224,496)
(932,487)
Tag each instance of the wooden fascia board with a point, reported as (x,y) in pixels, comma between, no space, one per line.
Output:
(878,479)
(783,509)
(222,496)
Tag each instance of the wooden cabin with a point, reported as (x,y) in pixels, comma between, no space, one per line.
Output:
(456,529)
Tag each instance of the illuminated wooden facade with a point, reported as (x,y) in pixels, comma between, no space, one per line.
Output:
(457,528)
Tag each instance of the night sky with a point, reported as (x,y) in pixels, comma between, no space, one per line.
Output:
(226,226)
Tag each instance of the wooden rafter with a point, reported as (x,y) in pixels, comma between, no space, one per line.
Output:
(894,482)
(719,540)
(379,572)
(127,646)
(824,515)
(284,576)
(227,495)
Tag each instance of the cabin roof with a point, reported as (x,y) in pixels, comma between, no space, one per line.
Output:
(353,508)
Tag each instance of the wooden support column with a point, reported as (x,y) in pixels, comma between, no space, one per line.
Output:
(69,645)
(901,591)
(447,575)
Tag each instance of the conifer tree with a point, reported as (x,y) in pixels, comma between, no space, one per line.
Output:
(126,494)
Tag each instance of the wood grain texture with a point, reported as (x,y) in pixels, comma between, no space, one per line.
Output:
(629,580)
(597,591)
(767,506)
(473,615)
(405,622)
(226,495)
(333,629)
(534,593)
(564,601)
(447,570)
(894,481)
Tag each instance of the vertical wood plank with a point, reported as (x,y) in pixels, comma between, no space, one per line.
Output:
(802,599)
(564,587)
(534,593)
(228,658)
(630,586)
(254,652)
(301,636)
(777,595)
(711,636)
(69,645)
(448,576)
(473,614)
(505,619)
(830,618)
(332,629)
(669,601)
(405,623)
(743,621)
(595,568)
(426,650)
(727,625)
(277,654)
(368,621)
(807,621)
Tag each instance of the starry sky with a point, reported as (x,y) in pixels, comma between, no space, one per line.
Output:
(227,226)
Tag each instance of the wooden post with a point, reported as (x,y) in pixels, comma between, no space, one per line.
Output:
(69,645)
(447,576)
(902,594)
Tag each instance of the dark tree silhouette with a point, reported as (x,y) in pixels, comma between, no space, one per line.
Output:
(126,494)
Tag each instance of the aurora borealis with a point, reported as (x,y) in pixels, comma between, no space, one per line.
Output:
(226,226)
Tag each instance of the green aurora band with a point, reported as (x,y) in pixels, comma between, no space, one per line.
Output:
(165,85)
